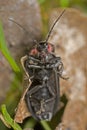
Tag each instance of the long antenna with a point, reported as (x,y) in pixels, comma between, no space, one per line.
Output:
(18,24)
(24,29)
(49,33)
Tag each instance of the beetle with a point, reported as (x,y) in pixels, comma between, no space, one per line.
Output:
(43,69)
(42,97)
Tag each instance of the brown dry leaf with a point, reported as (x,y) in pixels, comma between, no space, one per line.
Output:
(22,110)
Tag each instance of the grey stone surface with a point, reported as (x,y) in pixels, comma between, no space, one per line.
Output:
(27,14)
(70,39)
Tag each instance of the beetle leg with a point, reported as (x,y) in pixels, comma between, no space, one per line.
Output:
(61,76)
(35,66)
(33,90)
(34,59)
(52,92)
(51,99)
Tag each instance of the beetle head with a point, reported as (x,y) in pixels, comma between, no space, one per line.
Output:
(45,47)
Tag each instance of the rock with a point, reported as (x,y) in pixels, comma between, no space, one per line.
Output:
(27,14)
(61,126)
(70,40)
(75,115)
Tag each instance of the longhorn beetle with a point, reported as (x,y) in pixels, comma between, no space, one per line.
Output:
(43,69)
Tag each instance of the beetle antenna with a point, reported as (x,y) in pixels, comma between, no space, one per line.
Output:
(18,24)
(49,33)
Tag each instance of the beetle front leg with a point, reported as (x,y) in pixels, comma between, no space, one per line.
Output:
(35,66)
(34,59)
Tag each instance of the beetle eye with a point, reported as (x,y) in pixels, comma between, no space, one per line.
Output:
(50,48)
(34,51)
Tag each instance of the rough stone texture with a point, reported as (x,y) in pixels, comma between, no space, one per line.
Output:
(27,14)
(70,40)
(75,115)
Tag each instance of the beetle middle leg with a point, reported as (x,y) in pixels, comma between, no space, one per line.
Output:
(34,89)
